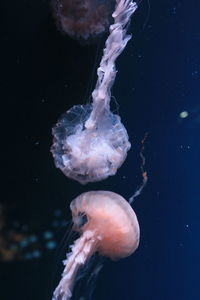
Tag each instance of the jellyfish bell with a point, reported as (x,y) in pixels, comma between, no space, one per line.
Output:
(83,20)
(89,151)
(107,224)
(110,218)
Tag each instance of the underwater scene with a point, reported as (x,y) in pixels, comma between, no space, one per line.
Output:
(100,150)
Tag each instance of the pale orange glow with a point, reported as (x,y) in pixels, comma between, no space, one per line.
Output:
(107,224)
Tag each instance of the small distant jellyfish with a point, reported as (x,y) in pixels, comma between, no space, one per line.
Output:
(90,142)
(107,224)
(83,20)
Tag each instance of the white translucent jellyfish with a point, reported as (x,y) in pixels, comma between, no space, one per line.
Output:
(107,224)
(90,142)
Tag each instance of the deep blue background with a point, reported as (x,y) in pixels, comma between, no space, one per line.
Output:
(43,75)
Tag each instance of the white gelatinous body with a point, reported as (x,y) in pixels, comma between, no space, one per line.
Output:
(90,142)
(89,154)
(107,224)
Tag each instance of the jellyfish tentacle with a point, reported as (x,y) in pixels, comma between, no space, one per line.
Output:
(115,44)
(144,173)
(81,250)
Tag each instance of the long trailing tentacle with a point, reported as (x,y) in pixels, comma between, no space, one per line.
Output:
(81,250)
(144,173)
(115,44)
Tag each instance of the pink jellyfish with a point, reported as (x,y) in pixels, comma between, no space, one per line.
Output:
(83,19)
(107,224)
(90,142)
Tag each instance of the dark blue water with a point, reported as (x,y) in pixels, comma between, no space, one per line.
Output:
(158,91)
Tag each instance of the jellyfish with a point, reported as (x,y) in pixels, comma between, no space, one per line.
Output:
(107,224)
(83,20)
(90,142)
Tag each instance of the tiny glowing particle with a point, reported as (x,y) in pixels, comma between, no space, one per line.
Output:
(51,245)
(183,114)
(24,243)
(32,238)
(36,253)
(47,235)
(28,256)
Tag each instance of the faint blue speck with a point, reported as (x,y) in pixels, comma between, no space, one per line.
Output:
(51,245)
(195,72)
(28,256)
(13,247)
(47,235)
(32,238)
(36,253)
(23,243)
(174,10)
